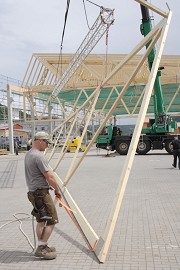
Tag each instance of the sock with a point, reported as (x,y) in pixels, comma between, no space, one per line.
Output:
(41,243)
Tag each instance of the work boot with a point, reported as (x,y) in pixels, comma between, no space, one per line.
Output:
(53,249)
(45,252)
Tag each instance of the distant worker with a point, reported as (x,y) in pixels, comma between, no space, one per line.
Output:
(40,179)
(16,147)
(29,144)
(176,151)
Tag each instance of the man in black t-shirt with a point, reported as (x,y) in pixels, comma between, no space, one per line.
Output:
(176,151)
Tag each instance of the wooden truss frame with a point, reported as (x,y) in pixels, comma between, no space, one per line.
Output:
(100,245)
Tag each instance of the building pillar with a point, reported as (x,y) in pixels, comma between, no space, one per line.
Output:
(32,118)
(65,125)
(85,137)
(50,107)
(10,119)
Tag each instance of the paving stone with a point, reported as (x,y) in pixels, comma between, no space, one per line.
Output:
(146,236)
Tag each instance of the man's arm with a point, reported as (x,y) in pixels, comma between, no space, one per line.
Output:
(52,182)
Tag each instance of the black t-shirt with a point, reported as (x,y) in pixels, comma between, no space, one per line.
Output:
(176,144)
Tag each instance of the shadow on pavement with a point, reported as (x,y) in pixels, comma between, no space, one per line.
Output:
(84,249)
(7,256)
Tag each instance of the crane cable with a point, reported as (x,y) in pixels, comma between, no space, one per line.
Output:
(86,15)
(107,33)
(62,39)
(94,3)
(107,38)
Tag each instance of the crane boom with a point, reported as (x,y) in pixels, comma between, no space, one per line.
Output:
(163,122)
(100,26)
(146,27)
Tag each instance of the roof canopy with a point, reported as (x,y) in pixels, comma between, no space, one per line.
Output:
(44,69)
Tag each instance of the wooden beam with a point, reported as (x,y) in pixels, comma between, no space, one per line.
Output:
(132,149)
(177,91)
(153,8)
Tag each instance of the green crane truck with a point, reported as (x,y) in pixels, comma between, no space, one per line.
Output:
(159,134)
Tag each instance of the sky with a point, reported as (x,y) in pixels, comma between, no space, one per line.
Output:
(36,26)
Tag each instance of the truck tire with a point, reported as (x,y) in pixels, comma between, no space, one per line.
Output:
(122,147)
(168,146)
(143,147)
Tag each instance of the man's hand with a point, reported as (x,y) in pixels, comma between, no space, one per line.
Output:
(58,194)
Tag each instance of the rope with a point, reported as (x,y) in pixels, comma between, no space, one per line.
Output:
(20,226)
(68,210)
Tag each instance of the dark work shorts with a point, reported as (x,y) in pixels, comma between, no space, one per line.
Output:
(48,204)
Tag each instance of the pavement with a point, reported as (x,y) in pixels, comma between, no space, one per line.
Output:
(147,233)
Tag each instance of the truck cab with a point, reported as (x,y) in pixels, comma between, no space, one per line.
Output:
(106,138)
